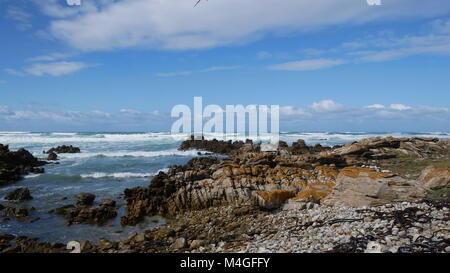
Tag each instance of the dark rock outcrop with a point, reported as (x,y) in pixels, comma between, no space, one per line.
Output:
(64,149)
(13,165)
(20,194)
(84,213)
(214,146)
(85,199)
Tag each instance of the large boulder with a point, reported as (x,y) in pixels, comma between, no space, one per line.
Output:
(360,187)
(435,178)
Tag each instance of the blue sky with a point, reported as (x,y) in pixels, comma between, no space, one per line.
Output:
(122,65)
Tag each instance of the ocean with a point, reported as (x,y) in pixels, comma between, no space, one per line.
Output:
(108,164)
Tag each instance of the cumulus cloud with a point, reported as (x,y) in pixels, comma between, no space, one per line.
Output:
(105,25)
(304,65)
(326,106)
(375,106)
(52,69)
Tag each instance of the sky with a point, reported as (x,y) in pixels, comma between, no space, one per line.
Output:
(122,65)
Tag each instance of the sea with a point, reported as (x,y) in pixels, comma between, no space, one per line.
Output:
(107,165)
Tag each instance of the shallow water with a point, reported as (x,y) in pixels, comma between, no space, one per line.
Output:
(108,164)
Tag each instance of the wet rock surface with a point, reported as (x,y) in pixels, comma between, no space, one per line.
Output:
(20,244)
(14,165)
(20,194)
(84,213)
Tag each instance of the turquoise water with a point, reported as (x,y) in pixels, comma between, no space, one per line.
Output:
(108,164)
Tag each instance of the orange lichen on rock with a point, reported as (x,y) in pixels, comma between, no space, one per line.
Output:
(273,199)
(316,191)
(356,172)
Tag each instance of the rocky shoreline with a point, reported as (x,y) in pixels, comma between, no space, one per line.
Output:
(374,195)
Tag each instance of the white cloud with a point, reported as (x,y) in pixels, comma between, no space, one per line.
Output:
(326,106)
(20,16)
(50,57)
(189,72)
(375,106)
(292,111)
(52,69)
(175,24)
(307,65)
(399,107)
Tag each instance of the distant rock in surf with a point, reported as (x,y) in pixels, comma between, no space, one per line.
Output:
(64,149)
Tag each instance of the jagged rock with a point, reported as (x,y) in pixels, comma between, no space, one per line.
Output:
(13,165)
(20,194)
(64,149)
(85,199)
(435,178)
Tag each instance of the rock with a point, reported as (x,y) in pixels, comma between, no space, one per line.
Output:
(447,249)
(13,165)
(85,199)
(52,156)
(215,146)
(140,237)
(358,187)
(179,244)
(64,149)
(197,243)
(295,204)
(435,178)
(84,213)
(273,199)
(299,147)
(20,194)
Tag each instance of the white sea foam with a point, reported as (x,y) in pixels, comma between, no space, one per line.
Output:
(25,138)
(120,175)
(130,154)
